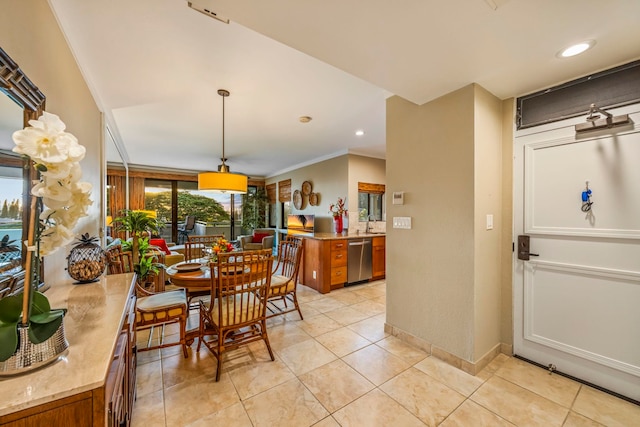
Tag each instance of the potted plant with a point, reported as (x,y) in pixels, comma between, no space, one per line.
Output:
(31,333)
(146,268)
(139,224)
(254,209)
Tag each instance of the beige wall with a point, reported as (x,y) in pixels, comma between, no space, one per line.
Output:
(488,201)
(430,268)
(329,179)
(30,35)
(333,178)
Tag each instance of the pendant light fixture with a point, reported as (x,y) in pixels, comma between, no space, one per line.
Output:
(223,181)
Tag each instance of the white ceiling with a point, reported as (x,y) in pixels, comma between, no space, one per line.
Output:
(154,67)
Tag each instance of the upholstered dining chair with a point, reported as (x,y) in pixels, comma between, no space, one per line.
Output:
(284,279)
(236,313)
(153,309)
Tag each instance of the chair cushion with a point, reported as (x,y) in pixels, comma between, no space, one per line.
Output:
(162,300)
(160,243)
(278,287)
(237,316)
(257,238)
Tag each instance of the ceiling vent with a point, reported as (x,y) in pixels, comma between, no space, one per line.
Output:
(208,12)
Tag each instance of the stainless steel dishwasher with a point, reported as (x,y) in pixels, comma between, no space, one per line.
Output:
(358,260)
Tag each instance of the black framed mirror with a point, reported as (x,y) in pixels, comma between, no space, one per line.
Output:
(21,101)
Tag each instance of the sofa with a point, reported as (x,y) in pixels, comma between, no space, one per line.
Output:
(170,257)
(261,238)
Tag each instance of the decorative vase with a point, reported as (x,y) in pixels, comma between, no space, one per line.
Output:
(31,356)
(338,223)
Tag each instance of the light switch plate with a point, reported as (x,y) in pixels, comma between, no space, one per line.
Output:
(402,222)
(489,222)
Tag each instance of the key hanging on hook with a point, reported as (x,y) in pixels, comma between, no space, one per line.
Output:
(586,199)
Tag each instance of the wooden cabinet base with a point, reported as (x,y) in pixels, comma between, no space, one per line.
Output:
(108,405)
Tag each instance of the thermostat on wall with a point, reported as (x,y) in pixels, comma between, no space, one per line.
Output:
(398,197)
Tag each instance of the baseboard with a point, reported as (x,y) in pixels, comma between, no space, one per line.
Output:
(472,368)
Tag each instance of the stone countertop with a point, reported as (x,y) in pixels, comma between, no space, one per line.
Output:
(334,236)
(92,324)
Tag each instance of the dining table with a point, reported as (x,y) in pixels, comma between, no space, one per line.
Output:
(194,276)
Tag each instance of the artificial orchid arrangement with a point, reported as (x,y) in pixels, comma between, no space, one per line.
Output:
(338,209)
(59,200)
(56,155)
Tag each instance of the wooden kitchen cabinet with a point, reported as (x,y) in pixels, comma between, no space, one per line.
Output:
(338,263)
(325,260)
(378,246)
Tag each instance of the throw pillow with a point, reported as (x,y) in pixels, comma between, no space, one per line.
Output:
(257,238)
(162,244)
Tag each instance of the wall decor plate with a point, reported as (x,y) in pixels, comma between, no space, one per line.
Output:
(306,188)
(297,199)
(313,199)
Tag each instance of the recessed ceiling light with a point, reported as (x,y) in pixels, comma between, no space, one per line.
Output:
(359,132)
(305,119)
(576,49)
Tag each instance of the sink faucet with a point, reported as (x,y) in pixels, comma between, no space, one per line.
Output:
(368,227)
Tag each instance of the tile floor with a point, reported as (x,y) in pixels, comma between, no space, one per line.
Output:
(339,368)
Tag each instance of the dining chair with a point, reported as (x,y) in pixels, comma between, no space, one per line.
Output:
(152,308)
(6,284)
(235,314)
(194,247)
(118,261)
(284,279)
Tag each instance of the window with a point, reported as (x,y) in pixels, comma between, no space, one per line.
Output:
(173,200)
(371,201)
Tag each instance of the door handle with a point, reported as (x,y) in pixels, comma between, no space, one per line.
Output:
(524,248)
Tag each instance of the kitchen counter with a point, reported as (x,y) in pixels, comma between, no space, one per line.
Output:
(93,324)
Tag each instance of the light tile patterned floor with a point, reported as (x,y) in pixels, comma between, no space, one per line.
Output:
(339,368)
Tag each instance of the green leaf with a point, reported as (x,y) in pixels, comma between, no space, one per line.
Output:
(10,309)
(47,317)
(40,332)
(40,304)
(8,339)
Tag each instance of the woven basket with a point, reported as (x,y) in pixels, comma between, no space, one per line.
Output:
(31,356)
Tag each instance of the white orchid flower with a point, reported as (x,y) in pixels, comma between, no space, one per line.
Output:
(46,141)
(55,194)
(57,170)
(54,238)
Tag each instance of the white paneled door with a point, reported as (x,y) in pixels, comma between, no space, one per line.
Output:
(577,303)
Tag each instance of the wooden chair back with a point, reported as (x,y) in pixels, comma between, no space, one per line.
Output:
(194,247)
(118,261)
(6,284)
(289,258)
(236,314)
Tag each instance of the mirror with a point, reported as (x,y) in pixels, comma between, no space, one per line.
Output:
(20,102)
(117,179)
